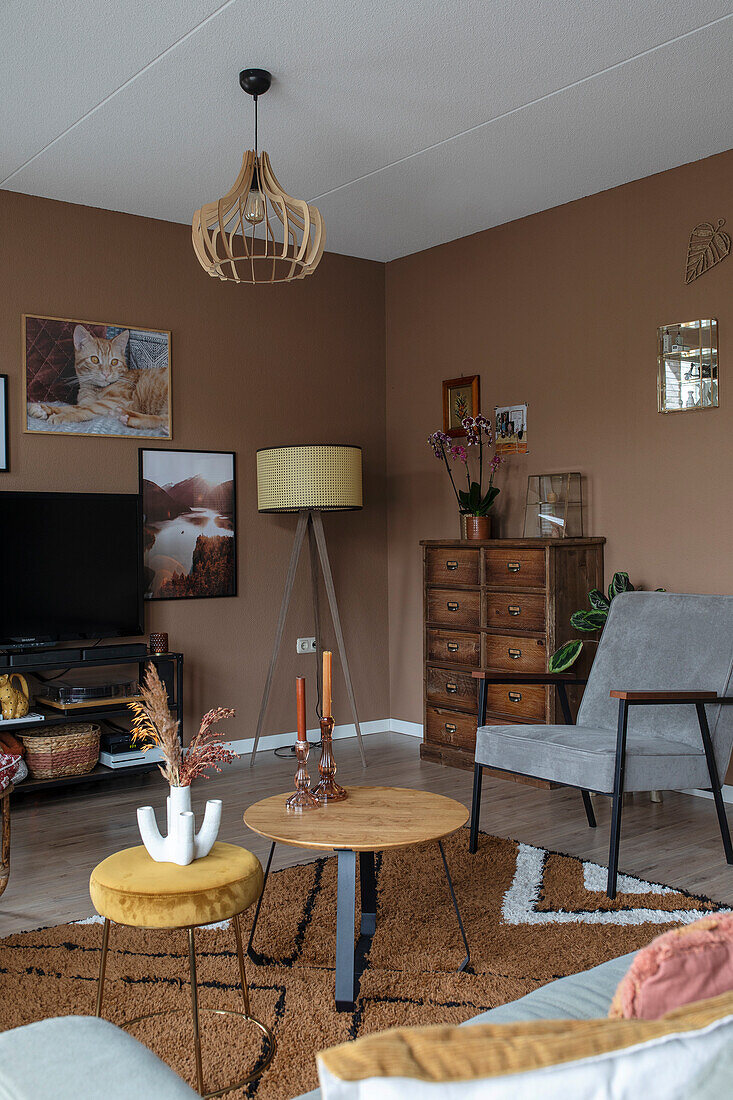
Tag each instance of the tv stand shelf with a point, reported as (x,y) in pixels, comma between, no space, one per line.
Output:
(54,718)
(98,774)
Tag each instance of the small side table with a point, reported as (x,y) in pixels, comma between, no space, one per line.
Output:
(130,888)
(371,819)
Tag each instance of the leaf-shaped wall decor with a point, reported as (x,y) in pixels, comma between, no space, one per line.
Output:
(708,245)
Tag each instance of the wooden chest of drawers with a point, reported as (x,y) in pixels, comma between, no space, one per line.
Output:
(503,604)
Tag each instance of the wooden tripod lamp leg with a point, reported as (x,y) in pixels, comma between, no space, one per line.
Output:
(331,593)
(289,582)
(316,606)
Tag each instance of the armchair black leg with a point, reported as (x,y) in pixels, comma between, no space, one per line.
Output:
(589,812)
(714,781)
(618,798)
(475,807)
(567,718)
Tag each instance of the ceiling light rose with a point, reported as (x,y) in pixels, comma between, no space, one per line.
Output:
(225,236)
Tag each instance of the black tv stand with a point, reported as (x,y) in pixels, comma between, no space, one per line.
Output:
(63,660)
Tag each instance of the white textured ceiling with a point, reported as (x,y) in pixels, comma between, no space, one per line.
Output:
(409,122)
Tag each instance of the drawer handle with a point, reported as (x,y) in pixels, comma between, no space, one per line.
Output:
(514,609)
(450,728)
(452,605)
(451,565)
(515,696)
(514,566)
(451,688)
(515,654)
(453,647)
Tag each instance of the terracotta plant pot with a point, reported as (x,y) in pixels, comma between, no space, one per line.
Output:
(478,527)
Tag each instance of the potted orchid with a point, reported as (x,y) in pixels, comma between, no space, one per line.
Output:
(473,503)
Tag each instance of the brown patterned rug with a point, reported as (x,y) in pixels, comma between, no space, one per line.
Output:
(530,916)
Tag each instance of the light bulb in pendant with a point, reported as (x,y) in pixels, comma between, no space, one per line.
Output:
(254,207)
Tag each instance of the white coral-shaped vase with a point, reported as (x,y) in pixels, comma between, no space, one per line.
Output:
(183,844)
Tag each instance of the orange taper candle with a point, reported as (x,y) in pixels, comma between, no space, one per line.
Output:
(300,701)
(327,655)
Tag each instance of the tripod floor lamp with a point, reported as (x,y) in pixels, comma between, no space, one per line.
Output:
(309,480)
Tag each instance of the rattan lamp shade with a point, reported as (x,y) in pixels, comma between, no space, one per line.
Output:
(323,477)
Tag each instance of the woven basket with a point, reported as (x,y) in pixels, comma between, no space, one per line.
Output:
(72,751)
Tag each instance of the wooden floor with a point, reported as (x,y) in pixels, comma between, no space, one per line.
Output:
(58,839)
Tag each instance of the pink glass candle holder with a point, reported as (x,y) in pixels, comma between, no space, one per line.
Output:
(303,798)
(328,790)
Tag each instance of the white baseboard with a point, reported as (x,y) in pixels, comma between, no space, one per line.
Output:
(727,793)
(398,725)
(278,740)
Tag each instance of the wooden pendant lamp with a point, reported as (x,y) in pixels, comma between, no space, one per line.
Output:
(225,231)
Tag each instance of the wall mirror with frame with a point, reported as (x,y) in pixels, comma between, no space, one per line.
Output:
(687,359)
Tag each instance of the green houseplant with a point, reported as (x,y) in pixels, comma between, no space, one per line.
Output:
(591,620)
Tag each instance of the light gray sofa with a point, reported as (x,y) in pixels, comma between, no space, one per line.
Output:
(84,1058)
(584,996)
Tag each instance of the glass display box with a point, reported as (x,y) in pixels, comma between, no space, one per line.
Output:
(687,358)
(554,507)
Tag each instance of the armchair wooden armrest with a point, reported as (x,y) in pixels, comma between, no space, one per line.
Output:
(666,696)
(527,677)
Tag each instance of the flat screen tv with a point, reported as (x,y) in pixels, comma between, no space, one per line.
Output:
(70,567)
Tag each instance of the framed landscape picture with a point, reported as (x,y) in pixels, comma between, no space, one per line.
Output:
(95,378)
(4,430)
(460,399)
(188,501)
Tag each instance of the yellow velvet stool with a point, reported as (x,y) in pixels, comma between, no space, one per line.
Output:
(130,888)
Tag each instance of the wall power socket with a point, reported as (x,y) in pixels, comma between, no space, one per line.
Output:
(306,645)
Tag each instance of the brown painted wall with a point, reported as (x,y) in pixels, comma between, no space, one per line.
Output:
(252,366)
(561,310)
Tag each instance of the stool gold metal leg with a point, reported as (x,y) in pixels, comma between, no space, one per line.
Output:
(270,1043)
(195,1010)
(102,969)
(240,960)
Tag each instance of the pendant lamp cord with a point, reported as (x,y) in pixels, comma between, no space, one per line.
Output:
(256,174)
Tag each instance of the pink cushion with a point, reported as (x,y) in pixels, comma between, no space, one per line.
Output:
(691,963)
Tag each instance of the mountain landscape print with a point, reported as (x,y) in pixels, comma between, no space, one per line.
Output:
(189,524)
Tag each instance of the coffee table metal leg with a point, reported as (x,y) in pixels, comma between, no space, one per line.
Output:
(345,915)
(368,882)
(467,959)
(259,904)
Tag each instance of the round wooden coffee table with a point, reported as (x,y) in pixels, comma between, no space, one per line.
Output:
(371,819)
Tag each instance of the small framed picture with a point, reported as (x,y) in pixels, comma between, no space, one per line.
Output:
(189,501)
(96,378)
(460,399)
(511,429)
(4,430)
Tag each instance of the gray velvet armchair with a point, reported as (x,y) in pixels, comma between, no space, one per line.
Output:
(655,714)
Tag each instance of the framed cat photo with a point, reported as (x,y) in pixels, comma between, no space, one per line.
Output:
(95,378)
(189,524)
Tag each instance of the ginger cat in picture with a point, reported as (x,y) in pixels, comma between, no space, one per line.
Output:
(108,387)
